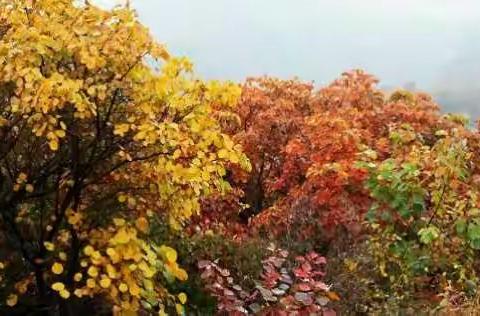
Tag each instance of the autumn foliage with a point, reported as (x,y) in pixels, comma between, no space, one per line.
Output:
(130,186)
(97,146)
(283,289)
(325,161)
(304,144)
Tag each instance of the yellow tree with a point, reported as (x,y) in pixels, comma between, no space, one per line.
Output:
(103,134)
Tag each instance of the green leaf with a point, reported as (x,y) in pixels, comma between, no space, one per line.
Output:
(473,231)
(475,243)
(418,203)
(371,215)
(428,234)
(405,212)
(420,264)
(461,226)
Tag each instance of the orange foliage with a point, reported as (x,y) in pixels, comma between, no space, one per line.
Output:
(304,144)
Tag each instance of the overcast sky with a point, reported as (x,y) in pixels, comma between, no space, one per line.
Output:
(434,43)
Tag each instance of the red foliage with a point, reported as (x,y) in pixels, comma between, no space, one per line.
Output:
(272,111)
(282,290)
(317,177)
(318,185)
(220,213)
(303,145)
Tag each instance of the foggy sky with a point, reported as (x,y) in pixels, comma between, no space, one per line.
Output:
(433,43)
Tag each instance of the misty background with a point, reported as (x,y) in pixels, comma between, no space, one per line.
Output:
(427,45)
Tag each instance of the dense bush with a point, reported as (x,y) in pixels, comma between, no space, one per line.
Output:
(103,133)
(348,162)
(130,186)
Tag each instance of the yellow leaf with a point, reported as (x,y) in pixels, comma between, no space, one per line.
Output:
(133,267)
(77,277)
(88,250)
(53,144)
(29,188)
(112,273)
(179,308)
(182,297)
(22,286)
(441,133)
(131,201)
(91,91)
(58,286)
(49,246)
(65,294)
(113,254)
(74,218)
(222,153)
(148,285)
(78,293)
(22,177)
(60,133)
(169,253)
(134,290)
(92,271)
(121,237)
(122,198)
(142,224)
(121,129)
(57,268)
(96,255)
(180,274)
(162,313)
(91,283)
(105,282)
(205,176)
(177,153)
(123,287)
(233,158)
(119,221)
(12,300)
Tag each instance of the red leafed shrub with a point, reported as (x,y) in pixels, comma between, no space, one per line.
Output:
(285,287)
(306,179)
(303,145)
(317,186)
